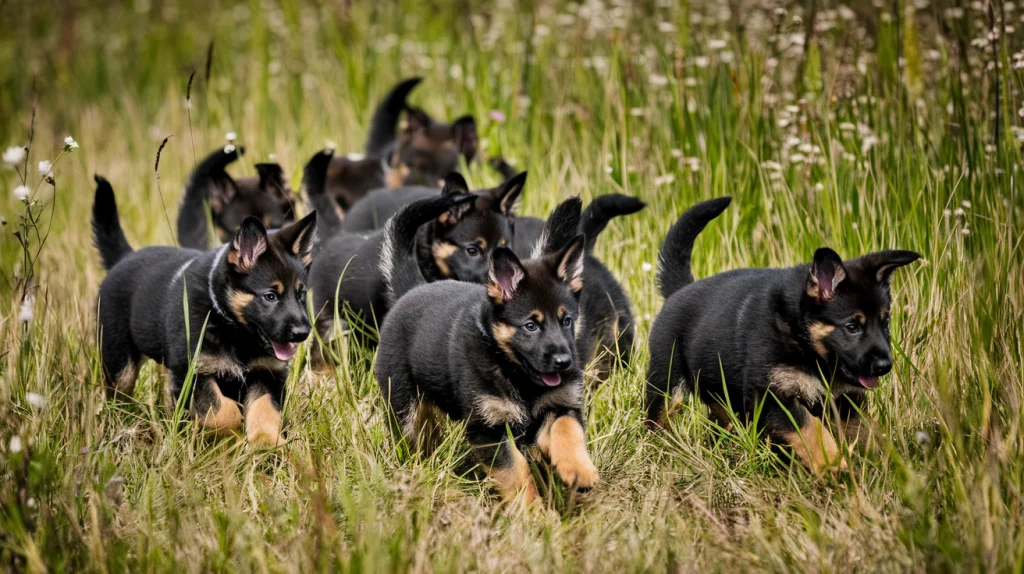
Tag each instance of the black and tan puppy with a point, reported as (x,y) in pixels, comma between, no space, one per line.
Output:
(422,152)
(501,357)
(800,341)
(251,293)
(456,231)
(265,196)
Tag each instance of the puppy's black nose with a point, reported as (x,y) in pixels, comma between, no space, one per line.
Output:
(561,361)
(880,366)
(298,334)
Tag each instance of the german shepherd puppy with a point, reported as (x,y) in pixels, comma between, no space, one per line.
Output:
(421,153)
(266,197)
(455,232)
(251,293)
(801,340)
(502,357)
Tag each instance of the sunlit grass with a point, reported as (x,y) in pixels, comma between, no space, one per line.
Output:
(674,104)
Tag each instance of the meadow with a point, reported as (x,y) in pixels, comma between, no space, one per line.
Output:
(851,124)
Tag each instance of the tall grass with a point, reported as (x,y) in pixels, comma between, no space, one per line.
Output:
(862,128)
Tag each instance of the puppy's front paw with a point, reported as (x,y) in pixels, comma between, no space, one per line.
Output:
(579,473)
(265,439)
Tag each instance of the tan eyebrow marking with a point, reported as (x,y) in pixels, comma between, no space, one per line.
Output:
(481,242)
(298,285)
(562,311)
(860,317)
(537,316)
(277,286)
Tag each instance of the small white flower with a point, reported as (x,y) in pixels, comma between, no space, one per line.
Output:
(636,112)
(231,137)
(45,167)
(13,156)
(797,158)
(690,81)
(666,27)
(70,144)
(22,192)
(847,127)
(819,186)
(646,267)
(665,179)
(727,56)
(959,212)
(867,143)
(15,446)
(701,61)
(677,153)
(36,400)
(230,148)
(717,45)
(27,310)
(608,169)
(965,231)
(330,145)
(922,438)
(657,80)
(966,204)
(272,157)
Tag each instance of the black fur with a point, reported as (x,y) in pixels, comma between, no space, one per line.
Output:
(385,119)
(773,334)
(349,263)
(250,293)
(502,357)
(265,196)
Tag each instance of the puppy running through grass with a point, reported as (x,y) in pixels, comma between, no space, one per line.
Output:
(251,293)
(502,357)
(801,342)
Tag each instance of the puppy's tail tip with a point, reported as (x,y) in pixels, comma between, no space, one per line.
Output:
(674,271)
(106,225)
(603,209)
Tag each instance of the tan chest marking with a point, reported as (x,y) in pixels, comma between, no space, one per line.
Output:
(495,411)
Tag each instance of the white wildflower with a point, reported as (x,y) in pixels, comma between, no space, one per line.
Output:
(690,82)
(646,267)
(45,167)
(657,80)
(27,310)
(666,27)
(665,179)
(608,169)
(36,400)
(700,62)
(867,143)
(22,192)
(70,144)
(717,45)
(959,212)
(231,137)
(15,446)
(13,156)
(819,187)
(966,204)
(965,231)
(727,56)
(677,153)
(847,127)
(922,438)
(636,112)
(772,166)
(797,158)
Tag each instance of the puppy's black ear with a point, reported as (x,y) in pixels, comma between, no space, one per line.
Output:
(271,177)
(416,120)
(505,274)
(250,242)
(569,264)
(507,194)
(467,141)
(881,264)
(299,238)
(455,184)
(827,272)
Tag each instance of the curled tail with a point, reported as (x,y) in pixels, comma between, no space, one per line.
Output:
(398,263)
(674,266)
(193,223)
(561,227)
(106,225)
(602,209)
(314,181)
(385,119)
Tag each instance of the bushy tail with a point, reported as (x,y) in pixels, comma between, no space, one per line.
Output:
(106,225)
(602,209)
(385,119)
(674,267)
(398,264)
(561,227)
(314,182)
(193,224)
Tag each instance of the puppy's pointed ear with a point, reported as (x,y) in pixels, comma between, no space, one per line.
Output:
(881,264)
(416,120)
(455,184)
(299,238)
(569,264)
(271,177)
(250,242)
(507,194)
(505,275)
(467,141)
(827,272)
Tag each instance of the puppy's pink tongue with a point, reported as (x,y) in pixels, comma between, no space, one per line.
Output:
(552,380)
(868,382)
(285,351)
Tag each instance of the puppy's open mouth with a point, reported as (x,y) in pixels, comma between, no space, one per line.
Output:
(868,382)
(551,379)
(284,351)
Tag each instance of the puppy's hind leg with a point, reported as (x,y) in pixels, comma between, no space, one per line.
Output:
(213,410)
(121,362)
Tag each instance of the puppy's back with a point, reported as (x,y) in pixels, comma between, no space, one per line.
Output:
(372,211)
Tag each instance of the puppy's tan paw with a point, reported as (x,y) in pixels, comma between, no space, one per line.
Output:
(580,473)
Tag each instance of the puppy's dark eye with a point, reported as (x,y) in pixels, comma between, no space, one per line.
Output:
(530,326)
(567,321)
(472,250)
(270,297)
(853,327)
